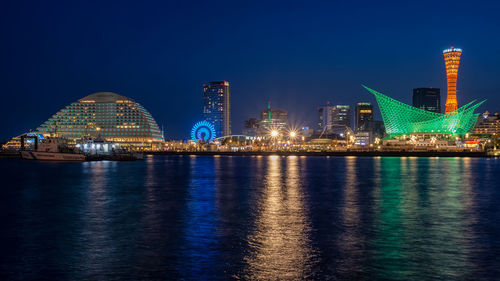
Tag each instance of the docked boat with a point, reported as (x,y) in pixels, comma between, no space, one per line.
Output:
(54,149)
(96,149)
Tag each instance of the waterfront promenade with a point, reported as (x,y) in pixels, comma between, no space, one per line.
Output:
(313,153)
(332,153)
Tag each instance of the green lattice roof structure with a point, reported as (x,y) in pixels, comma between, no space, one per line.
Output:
(400,118)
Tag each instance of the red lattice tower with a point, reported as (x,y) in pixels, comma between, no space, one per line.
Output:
(451,60)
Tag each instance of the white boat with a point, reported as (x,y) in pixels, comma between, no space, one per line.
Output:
(101,149)
(52,149)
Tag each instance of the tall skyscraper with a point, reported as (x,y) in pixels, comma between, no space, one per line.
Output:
(217,106)
(325,117)
(451,60)
(341,115)
(362,112)
(428,99)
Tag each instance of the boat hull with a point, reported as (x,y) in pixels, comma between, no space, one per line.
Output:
(52,156)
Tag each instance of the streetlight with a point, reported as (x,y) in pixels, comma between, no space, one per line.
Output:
(274,133)
(293,134)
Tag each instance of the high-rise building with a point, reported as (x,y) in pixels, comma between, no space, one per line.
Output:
(341,115)
(273,119)
(325,117)
(428,99)
(107,115)
(363,112)
(217,106)
(251,127)
(451,60)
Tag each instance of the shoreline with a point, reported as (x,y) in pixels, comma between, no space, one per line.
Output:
(327,153)
(311,153)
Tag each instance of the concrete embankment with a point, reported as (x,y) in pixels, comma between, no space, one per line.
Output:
(329,153)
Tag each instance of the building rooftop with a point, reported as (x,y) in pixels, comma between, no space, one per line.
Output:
(452,49)
(104,97)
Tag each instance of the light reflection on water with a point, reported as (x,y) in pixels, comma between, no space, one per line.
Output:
(279,238)
(256,218)
(422,220)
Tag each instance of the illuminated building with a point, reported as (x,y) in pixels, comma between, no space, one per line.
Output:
(372,129)
(341,115)
(400,118)
(251,127)
(273,119)
(451,60)
(325,117)
(217,106)
(488,124)
(108,115)
(428,99)
(363,112)
(330,116)
(363,138)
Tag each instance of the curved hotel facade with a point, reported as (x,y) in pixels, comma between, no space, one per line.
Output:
(108,115)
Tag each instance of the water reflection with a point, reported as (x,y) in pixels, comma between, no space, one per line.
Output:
(96,231)
(201,220)
(280,247)
(422,219)
(248,218)
(351,241)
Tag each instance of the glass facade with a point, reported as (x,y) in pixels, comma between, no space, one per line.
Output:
(427,99)
(273,119)
(107,115)
(325,117)
(217,107)
(363,112)
(341,115)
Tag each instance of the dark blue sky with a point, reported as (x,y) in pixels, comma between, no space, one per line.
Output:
(295,54)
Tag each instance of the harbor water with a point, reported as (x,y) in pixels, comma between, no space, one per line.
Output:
(251,218)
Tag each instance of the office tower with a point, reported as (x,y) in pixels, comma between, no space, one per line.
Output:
(217,106)
(341,115)
(273,119)
(451,60)
(428,99)
(251,127)
(325,117)
(362,112)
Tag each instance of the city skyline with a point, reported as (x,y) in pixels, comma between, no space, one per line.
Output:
(235,140)
(136,57)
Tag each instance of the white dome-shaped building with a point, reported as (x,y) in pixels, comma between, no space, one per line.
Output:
(108,115)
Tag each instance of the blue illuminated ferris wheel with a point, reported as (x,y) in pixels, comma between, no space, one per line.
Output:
(203,131)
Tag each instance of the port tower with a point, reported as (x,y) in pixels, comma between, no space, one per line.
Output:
(451,61)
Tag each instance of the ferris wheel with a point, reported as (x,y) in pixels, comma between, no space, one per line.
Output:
(203,131)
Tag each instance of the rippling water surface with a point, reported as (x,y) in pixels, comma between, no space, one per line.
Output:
(251,218)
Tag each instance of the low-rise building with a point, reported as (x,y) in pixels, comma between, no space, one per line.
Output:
(487,124)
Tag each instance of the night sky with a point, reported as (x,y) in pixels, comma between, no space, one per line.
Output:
(296,55)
